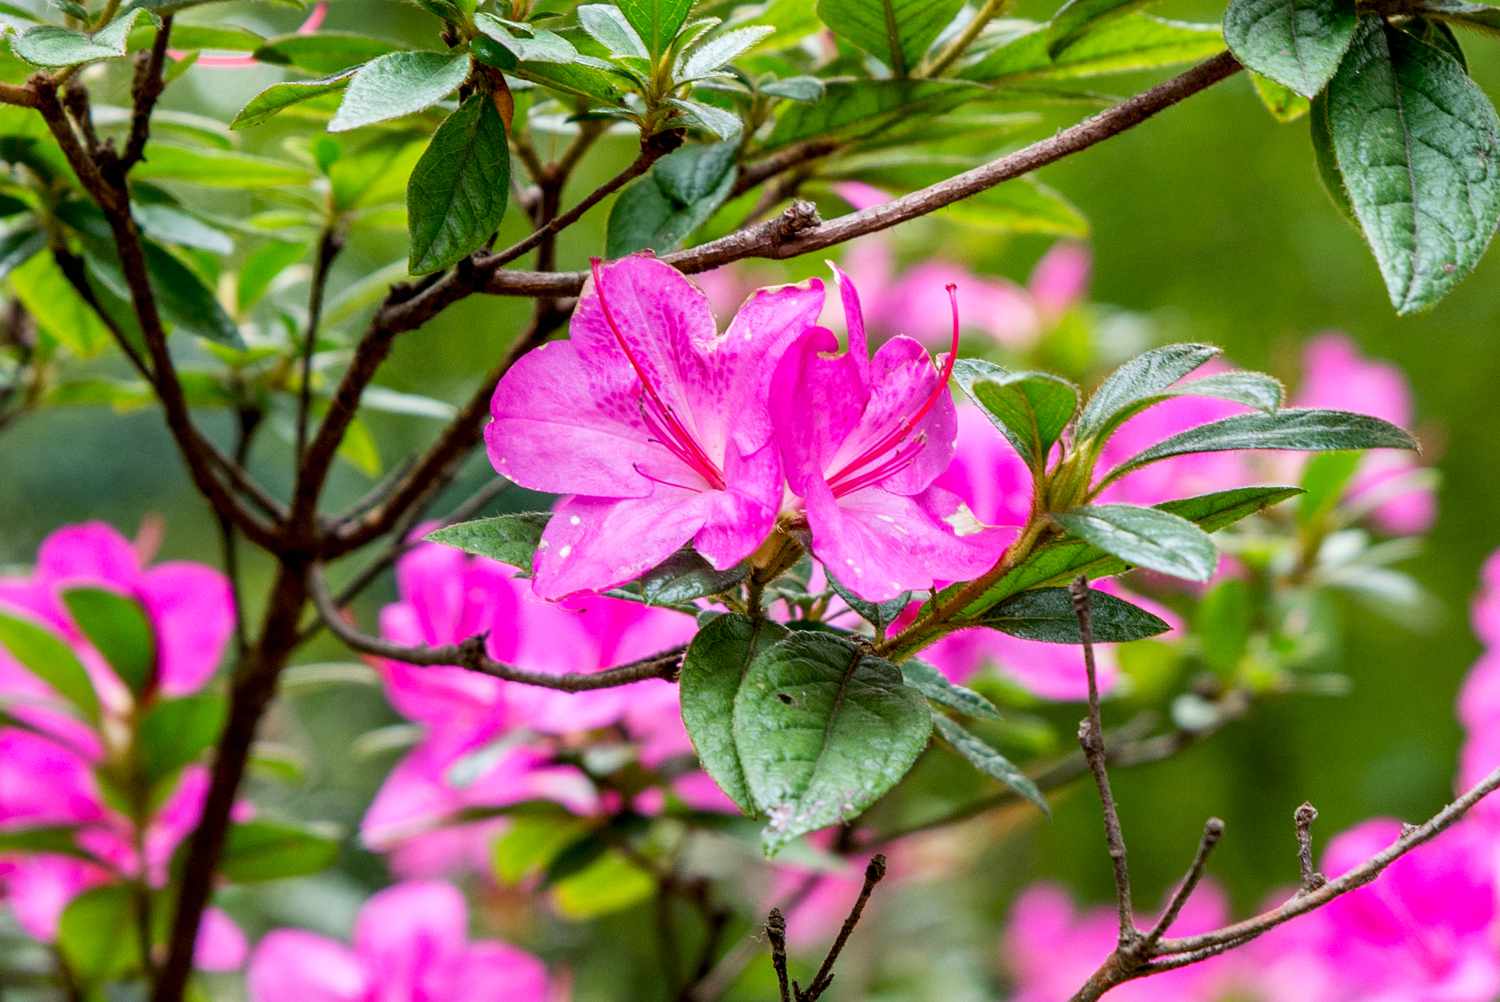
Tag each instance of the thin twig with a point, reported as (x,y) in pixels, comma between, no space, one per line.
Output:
(1091,737)
(145,91)
(776,936)
(874,874)
(328,248)
(470,654)
(1213,830)
(1303,819)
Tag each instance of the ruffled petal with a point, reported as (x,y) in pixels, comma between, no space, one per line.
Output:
(592,543)
(767,323)
(405,929)
(192,608)
(292,964)
(741,517)
(816,400)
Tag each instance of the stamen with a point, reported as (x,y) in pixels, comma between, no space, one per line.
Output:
(663,422)
(658,480)
(894,438)
(904,458)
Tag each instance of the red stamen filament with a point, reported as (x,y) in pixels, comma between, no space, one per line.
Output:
(845,481)
(660,419)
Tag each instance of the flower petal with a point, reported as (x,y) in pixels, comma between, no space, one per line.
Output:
(405,929)
(596,543)
(768,322)
(493,972)
(816,401)
(221,945)
(292,964)
(192,608)
(740,518)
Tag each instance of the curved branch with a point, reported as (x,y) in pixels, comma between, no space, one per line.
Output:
(470,654)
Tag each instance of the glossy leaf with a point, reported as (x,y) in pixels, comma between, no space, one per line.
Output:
(263,849)
(279,96)
(1326,159)
(712,670)
(851,109)
(1141,378)
(457,193)
(936,686)
(989,761)
(1046,614)
(510,539)
(1418,147)
(118,628)
(49,658)
(1146,537)
(1031,409)
(897,32)
(877,614)
(1134,42)
(680,193)
(1295,429)
(608,25)
(723,124)
(323,52)
(18,245)
(1478,16)
(823,731)
(1297,43)
(681,579)
(397,84)
(176,732)
(720,50)
(656,22)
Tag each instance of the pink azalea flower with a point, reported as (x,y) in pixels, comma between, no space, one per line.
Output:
(1423,931)
(1484,612)
(1335,375)
(652,421)
(411,944)
(1060,279)
(1052,947)
(488,743)
(862,440)
(1479,700)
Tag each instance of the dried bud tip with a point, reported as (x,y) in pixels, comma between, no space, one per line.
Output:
(875,871)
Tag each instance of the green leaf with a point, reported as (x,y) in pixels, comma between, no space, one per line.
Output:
(1020,205)
(169,224)
(1031,409)
(18,245)
(397,84)
(574,79)
(897,32)
(823,731)
(720,50)
(1046,614)
(213,168)
(1141,378)
(527,43)
(47,45)
(805,89)
(877,614)
(988,761)
(184,300)
(1297,43)
(682,578)
(936,686)
(97,933)
(59,311)
(607,25)
(118,628)
(610,883)
(1324,479)
(1326,159)
(723,124)
(712,671)
(1222,624)
(656,21)
(269,850)
(1253,389)
(261,268)
(323,51)
(60,840)
(176,732)
(49,658)
(530,844)
(510,539)
(679,194)
(1147,537)
(457,193)
(1058,563)
(1076,18)
(1480,17)
(1134,42)
(1294,429)
(279,96)
(1284,104)
(850,109)
(1418,147)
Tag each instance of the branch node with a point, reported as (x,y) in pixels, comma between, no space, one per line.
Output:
(1303,819)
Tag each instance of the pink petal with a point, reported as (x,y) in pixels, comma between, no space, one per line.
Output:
(405,929)
(91,552)
(221,945)
(493,972)
(767,323)
(1335,375)
(816,401)
(740,518)
(39,888)
(987,473)
(1061,278)
(44,783)
(192,609)
(290,964)
(592,544)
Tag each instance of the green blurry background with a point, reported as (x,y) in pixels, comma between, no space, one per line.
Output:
(1212,220)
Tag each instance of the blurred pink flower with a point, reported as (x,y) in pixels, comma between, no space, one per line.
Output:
(488,743)
(1484,611)
(1051,948)
(47,768)
(1335,375)
(1424,931)
(411,944)
(653,422)
(1479,699)
(861,440)
(313,22)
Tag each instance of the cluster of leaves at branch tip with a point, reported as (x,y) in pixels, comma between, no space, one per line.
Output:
(807,724)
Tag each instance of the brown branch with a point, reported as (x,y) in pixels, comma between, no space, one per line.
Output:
(146,89)
(1303,819)
(1213,831)
(22,96)
(470,654)
(769,242)
(328,248)
(1091,737)
(776,935)
(753,175)
(874,874)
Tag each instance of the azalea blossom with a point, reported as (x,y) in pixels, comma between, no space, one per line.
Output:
(47,773)
(1479,700)
(487,743)
(411,944)
(862,440)
(651,421)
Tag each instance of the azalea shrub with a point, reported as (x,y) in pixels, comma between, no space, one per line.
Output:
(779,588)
